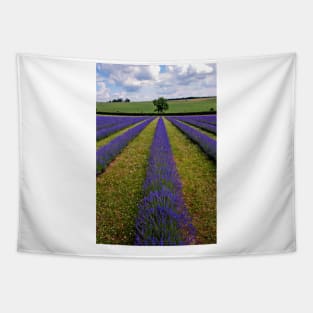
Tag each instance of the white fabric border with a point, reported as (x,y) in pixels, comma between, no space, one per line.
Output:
(255,165)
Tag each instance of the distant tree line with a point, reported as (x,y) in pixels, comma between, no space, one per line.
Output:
(120,100)
(190,98)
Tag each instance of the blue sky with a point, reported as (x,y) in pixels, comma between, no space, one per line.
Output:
(147,82)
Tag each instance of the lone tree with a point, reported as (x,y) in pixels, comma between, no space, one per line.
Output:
(160,105)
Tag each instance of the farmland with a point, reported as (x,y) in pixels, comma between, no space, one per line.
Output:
(156,179)
(175,106)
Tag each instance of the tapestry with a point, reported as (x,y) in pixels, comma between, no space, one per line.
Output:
(156,159)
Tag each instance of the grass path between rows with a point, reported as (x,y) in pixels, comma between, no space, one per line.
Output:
(198,177)
(106,140)
(119,190)
(203,131)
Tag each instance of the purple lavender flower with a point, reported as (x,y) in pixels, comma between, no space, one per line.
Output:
(108,152)
(106,121)
(105,131)
(207,144)
(209,119)
(198,122)
(162,217)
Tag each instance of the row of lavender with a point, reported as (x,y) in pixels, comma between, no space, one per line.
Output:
(105,121)
(201,122)
(108,152)
(108,125)
(207,144)
(209,119)
(162,216)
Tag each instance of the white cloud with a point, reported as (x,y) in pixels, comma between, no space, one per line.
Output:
(132,77)
(103,93)
(186,74)
(145,82)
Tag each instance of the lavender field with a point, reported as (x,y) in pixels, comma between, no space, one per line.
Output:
(156,180)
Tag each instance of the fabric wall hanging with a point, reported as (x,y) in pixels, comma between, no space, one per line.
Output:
(156,159)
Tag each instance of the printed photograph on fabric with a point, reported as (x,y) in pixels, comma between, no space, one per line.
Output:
(156,154)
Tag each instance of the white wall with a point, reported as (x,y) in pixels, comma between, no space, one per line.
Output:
(151,30)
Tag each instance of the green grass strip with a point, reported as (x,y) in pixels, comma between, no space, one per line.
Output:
(198,177)
(205,132)
(119,191)
(106,140)
(175,106)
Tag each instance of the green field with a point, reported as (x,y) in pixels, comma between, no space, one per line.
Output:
(198,177)
(175,106)
(119,188)
(119,191)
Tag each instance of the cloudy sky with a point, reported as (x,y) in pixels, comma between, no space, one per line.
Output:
(147,82)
